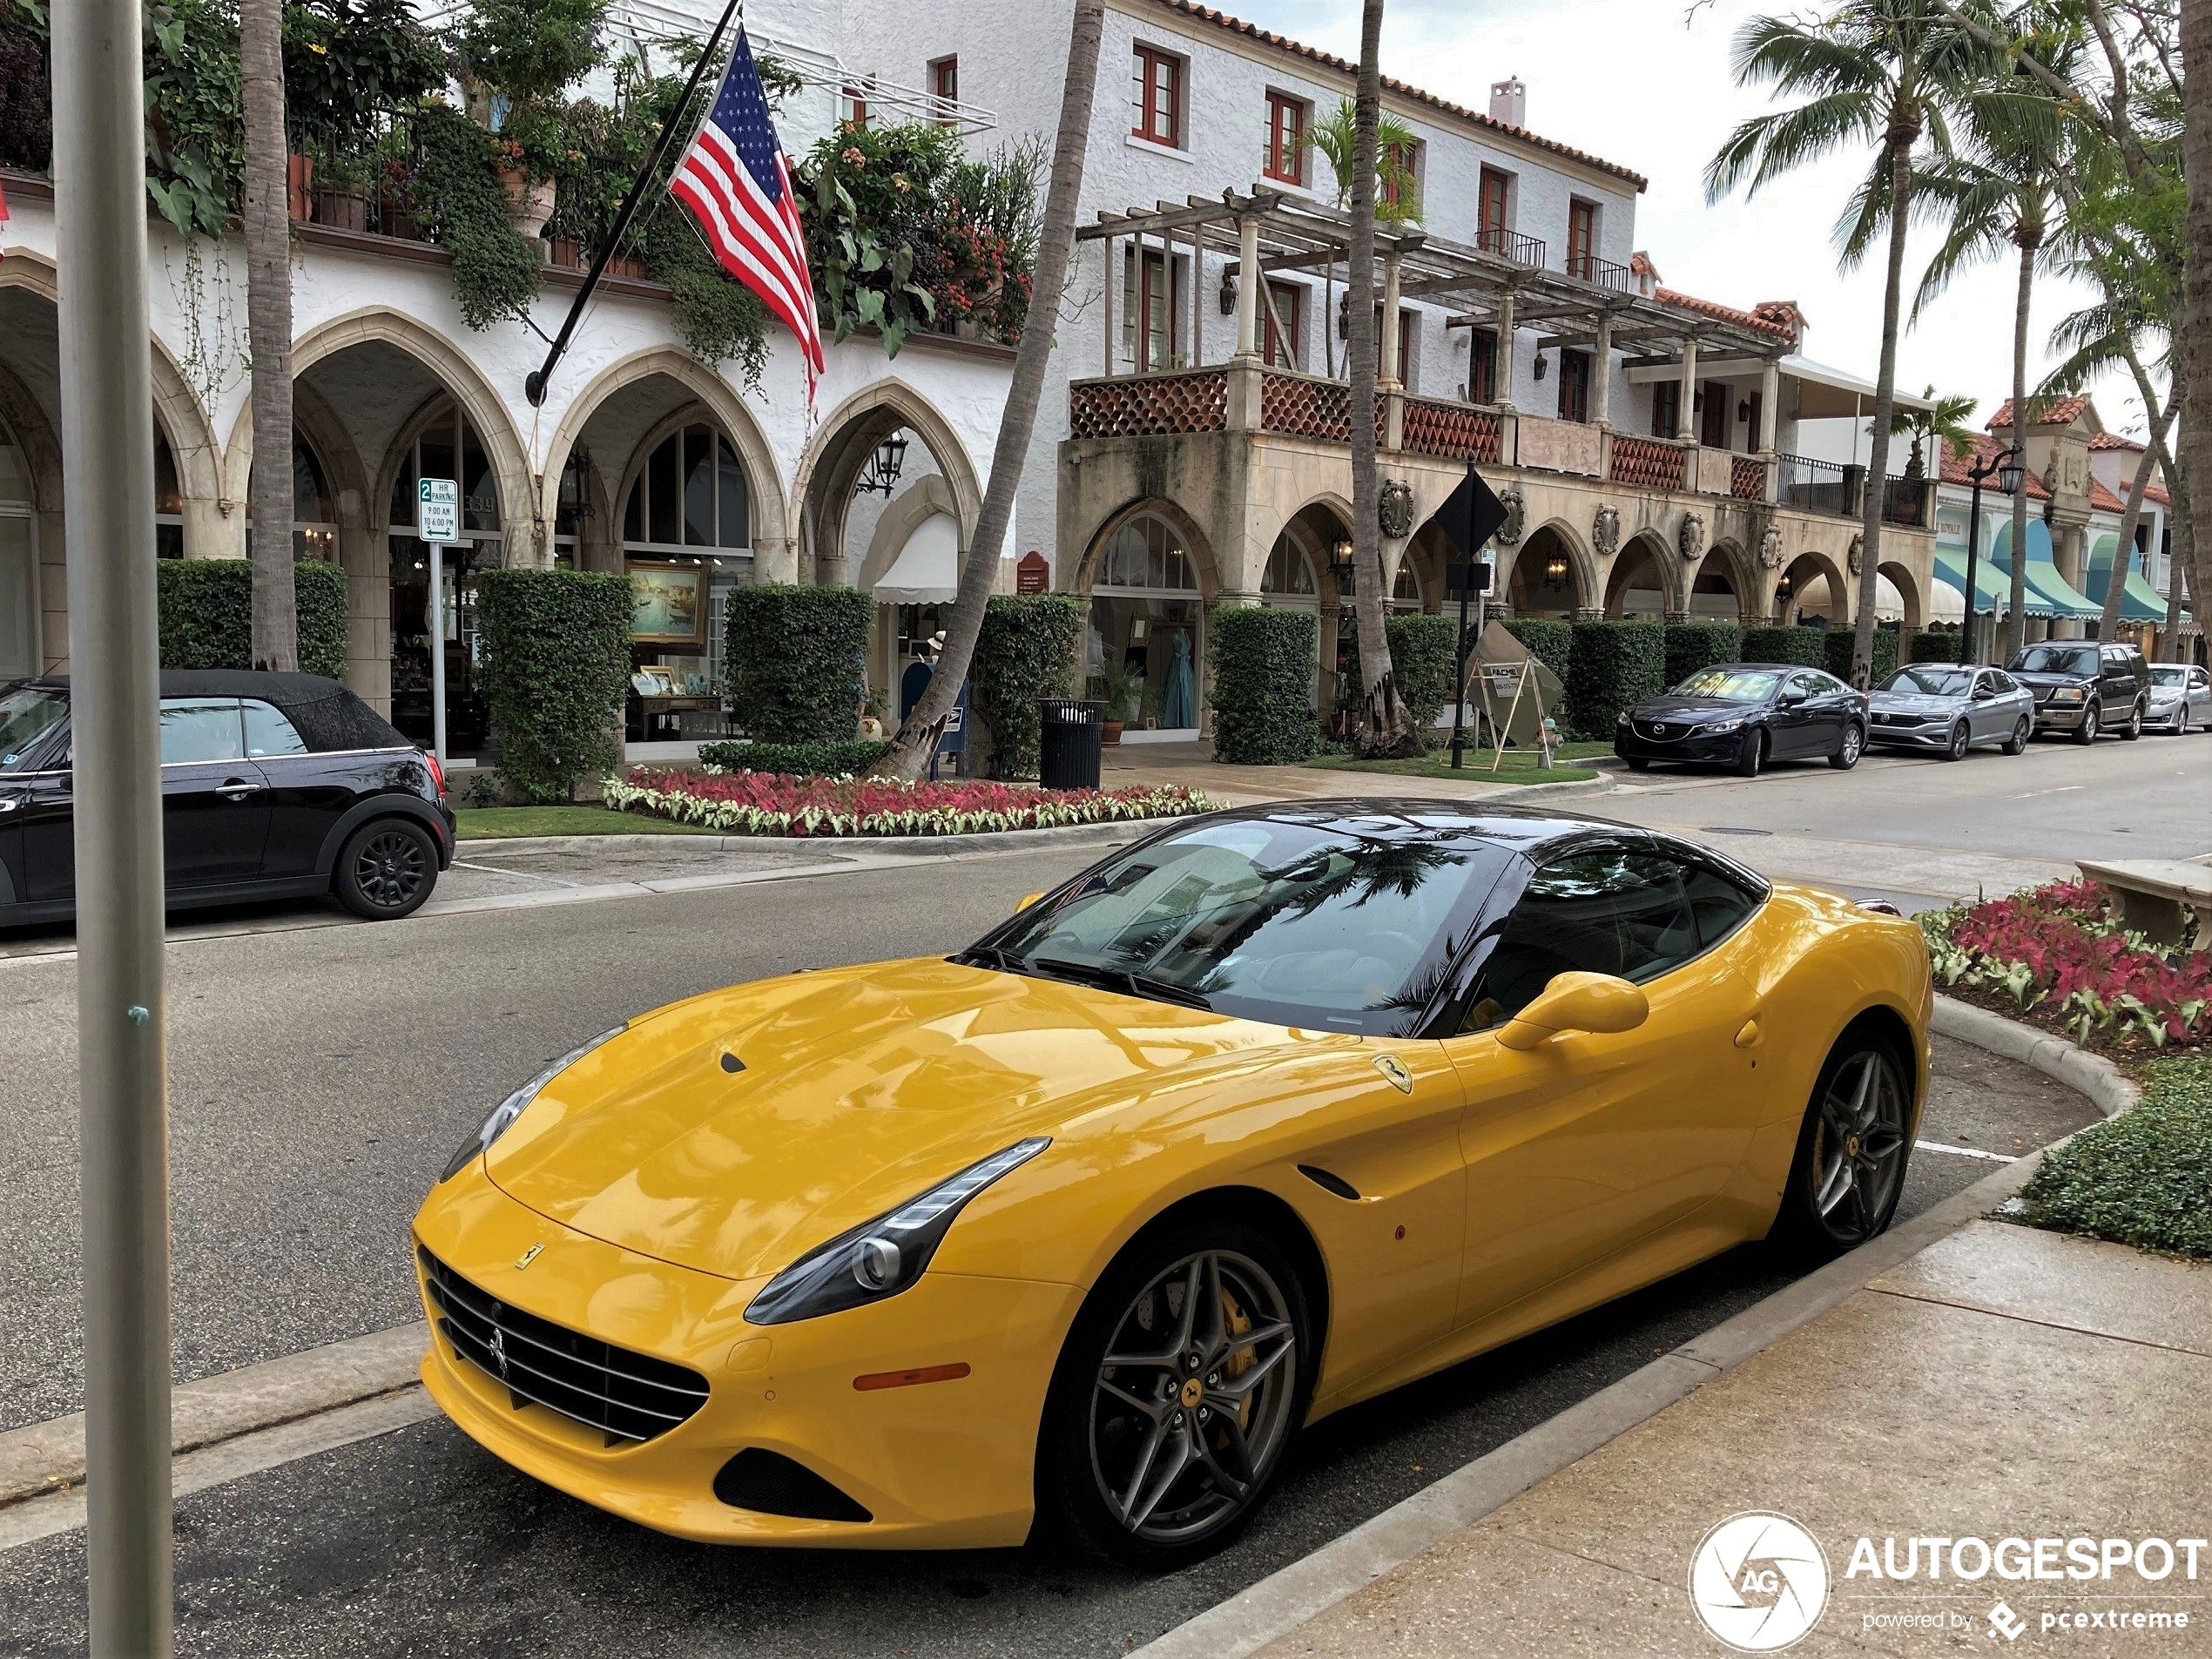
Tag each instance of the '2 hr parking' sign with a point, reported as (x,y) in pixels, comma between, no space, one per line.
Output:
(437,509)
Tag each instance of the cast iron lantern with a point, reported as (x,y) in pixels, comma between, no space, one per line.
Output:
(1341,559)
(2010,473)
(884,465)
(1555,570)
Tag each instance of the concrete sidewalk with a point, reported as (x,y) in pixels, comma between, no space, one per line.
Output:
(1192,765)
(2003,1384)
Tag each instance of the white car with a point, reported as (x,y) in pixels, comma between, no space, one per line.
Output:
(2181,697)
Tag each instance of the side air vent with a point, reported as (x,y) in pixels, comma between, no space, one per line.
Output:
(769,1483)
(1329,1182)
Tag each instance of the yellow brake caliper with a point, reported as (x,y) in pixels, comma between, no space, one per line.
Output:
(1243,1359)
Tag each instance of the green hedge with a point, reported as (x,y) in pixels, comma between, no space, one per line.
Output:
(1799,645)
(1263,685)
(556,647)
(1836,652)
(1693,645)
(1550,642)
(2143,1179)
(1611,665)
(848,758)
(207,614)
(1030,646)
(1421,650)
(796,657)
(1934,646)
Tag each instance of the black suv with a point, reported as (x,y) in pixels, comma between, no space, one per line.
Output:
(2085,688)
(273,786)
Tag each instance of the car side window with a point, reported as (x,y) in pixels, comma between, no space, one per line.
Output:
(2001,681)
(1811,684)
(267,732)
(1605,910)
(200,728)
(1718,904)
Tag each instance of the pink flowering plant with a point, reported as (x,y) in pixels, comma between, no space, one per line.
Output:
(763,803)
(2062,955)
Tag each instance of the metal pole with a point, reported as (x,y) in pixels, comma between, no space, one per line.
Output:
(1969,650)
(438,651)
(1460,652)
(107,436)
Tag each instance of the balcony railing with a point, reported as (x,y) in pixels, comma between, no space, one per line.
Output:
(1453,430)
(1746,477)
(1511,245)
(1817,486)
(1606,273)
(1654,463)
(1905,501)
(1143,406)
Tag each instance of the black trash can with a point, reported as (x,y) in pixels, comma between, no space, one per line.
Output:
(1068,742)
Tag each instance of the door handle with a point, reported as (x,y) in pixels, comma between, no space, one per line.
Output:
(1750,1035)
(237,789)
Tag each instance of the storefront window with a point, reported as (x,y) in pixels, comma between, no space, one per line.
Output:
(686,542)
(315,515)
(1146,621)
(168,499)
(1405,592)
(19,565)
(1289,576)
(445,446)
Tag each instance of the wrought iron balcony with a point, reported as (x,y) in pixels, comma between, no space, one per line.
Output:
(1511,245)
(1606,273)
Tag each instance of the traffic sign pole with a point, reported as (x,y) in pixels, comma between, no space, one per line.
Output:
(437,524)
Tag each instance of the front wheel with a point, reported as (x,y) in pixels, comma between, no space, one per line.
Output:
(386,869)
(1639,763)
(2017,744)
(2092,719)
(1752,754)
(1853,746)
(1185,1376)
(1849,1171)
(1961,741)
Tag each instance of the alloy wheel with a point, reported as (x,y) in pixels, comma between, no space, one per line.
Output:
(1961,740)
(390,868)
(1191,1404)
(2017,744)
(1860,1146)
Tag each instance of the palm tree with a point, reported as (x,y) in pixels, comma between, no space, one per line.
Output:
(1336,136)
(1884,72)
(917,740)
(1942,424)
(1386,725)
(268,330)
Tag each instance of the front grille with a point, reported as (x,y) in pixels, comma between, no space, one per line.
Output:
(1658,729)
(769,1483)
(628,1397)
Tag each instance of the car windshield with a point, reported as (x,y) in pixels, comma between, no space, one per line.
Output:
(27,713)
(1730,685)
(2055,659)
(1926,680)
(2164,674)
(1298,923)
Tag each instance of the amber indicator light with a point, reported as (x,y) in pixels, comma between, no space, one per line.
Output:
(908,1379)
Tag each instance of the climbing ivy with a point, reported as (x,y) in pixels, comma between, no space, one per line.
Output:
(463,207)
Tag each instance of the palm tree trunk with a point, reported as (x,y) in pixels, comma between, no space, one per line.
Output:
(1878,458)
(1385,726)
(268,327)
(2195,368)
(2123,556)
(2016,622)
(2183,589)
(909,754)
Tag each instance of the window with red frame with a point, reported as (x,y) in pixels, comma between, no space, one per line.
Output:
(1282,345)
(1285,138)
(1482,365)
(1401,184)
(1573,386)
(1490,209)
(1159,97)
(852,106)
(944,87)
(1581,239)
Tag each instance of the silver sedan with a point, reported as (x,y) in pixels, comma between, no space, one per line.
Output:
(1942,708)
(2181,697)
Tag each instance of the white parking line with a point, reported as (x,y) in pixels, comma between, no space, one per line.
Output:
(527,875)
(1964,1152)
(2062,789)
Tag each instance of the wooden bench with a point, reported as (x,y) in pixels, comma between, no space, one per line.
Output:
(2158,898)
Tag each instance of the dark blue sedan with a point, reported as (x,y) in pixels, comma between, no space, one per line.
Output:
(1745,715)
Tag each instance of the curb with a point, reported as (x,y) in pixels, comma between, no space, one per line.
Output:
(1285,1600)
(894,845)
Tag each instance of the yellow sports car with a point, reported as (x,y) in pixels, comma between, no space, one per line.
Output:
(1271,1111)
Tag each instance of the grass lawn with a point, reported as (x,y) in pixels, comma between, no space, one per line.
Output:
(1520,766)
(503,823)
(2144,1179)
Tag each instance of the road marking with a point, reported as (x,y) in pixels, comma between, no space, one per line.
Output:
(527,875)
(1963,1151)
(2062,789)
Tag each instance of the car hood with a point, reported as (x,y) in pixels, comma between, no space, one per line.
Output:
(1915,703)
(1691,708)
(859,1089)
(2040,681)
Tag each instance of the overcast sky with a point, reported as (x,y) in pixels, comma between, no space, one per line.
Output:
(1631,81)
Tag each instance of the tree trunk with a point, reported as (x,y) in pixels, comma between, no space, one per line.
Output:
(1877,457)
(1386,728)
(2181,576)
(268,327)
(908,756)
(2196,368)
(2123,556)
(2016,621)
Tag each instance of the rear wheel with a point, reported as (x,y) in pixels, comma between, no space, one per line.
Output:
(1183,1380)
(2092,718)
(2017,744)
(1853,746)
(386,869)
(1849,1171)
(1751,755)
(1961,741)
(2134,729)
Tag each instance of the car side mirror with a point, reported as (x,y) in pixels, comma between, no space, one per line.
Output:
(1983,693)
(1577,1003)
(1025,901)
(1791,698)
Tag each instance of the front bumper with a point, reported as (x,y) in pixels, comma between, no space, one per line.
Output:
(940,1465)
(1924,735)
(1721,749)
(2059,716)
(2168,718)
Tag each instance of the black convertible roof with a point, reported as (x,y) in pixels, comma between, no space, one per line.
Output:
(328,714)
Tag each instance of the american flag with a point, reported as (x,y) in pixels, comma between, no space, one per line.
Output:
(734,180)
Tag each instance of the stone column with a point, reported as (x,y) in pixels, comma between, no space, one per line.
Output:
(1688,415)
(1111,291)
(1504,374)
(1601,369)
(1249,286)
(1392,375)
(1769,418)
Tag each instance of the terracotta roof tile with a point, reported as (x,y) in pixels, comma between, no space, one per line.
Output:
(1443,106)
(2064,411)
(1777,317)
(1956,466)
(2103,501)
(2114,441)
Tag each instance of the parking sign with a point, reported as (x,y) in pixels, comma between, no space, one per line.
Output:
(437,510)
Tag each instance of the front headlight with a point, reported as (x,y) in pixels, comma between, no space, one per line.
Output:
(879,1258)
(1714,728)
(2068,694)
(508,1110)
(1624,718)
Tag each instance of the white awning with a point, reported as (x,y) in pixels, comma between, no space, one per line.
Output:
(926,571)
(1827,394)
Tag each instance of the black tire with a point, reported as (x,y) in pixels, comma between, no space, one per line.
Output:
(386,869)
(1961,741)
(1638,763)
(2092,718)
(1852,746)
(1101,1443)
(2134,729)
(2017,744)
(1826,1209)
(1750,755)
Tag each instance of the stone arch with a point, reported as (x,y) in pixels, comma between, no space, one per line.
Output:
(35,433)
(1083,575)
(764,501)
(1913,602)
(1525,561)
(1798,573)
(1727,562)
(821,492)
(527,537)
(1645,551)
(925,500)
(314,419)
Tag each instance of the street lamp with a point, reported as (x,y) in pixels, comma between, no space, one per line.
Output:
(884,465)
(1341,563)
(2005,467)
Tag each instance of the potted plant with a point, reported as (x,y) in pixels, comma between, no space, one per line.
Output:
(1123,688)
(347,69)
(519,57)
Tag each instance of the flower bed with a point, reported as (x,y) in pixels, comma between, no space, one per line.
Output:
(759,803)
(2060,956)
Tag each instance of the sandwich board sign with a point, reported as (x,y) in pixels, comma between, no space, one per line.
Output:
(437,511)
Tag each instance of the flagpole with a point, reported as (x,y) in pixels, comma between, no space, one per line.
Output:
(533,385)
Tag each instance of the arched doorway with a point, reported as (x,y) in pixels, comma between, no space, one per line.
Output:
(315,505)
(1147,623)
(1898,599)
(1635,589)
(1547,579)
(19,644)
(1811,591)
(1715,595)
(440,442)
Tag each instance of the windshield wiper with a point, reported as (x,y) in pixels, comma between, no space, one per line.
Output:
(990,956)
(1119,979)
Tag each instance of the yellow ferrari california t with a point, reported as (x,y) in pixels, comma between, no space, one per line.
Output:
(1263,1115)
